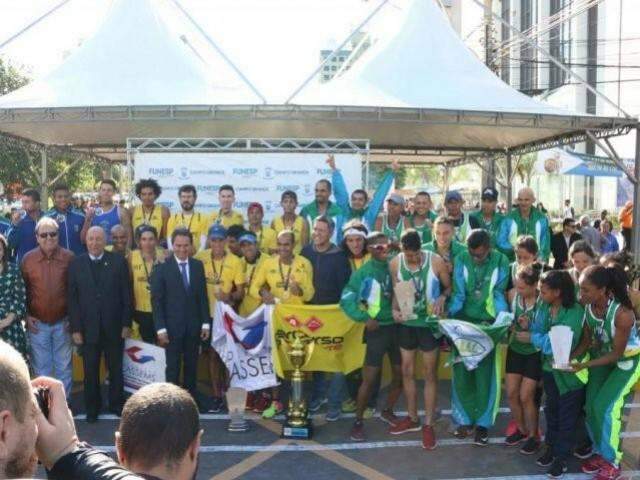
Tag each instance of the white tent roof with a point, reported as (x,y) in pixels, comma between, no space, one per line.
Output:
(418,88)
(133,59)
(422,62)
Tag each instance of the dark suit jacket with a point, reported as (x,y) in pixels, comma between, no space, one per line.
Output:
(559,248)
(182,312)
(103,301)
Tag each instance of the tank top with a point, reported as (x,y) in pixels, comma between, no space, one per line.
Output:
(427,290)
(424,230)
(603,331)
(140,273)
(298,225)
(107,220)
(393,234)
(140,217)
(518,309)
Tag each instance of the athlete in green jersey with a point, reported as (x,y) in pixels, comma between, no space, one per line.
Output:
(479,281)
(428,281)
(444,244)
(393,222)
(488,218)
(422,218)
(614,368)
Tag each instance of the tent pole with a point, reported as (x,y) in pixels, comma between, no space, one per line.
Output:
(44,194)
(446,178)
(609,152)
(509,182)
(553,59)
(635,235)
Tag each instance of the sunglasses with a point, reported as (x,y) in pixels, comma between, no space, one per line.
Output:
(379,248)
(48,234)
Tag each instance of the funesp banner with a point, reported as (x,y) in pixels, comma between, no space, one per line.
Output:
(142,364)
(256,177)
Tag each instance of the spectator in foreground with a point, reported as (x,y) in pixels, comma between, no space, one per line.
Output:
(159,433)
(27,437)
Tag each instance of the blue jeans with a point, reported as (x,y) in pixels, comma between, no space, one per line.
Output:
(51,352)
(334,389)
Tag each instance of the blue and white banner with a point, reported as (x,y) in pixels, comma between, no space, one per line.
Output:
(256,177)
(244,345)
(142,364)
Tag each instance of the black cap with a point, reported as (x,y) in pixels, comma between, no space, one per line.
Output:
(489,193)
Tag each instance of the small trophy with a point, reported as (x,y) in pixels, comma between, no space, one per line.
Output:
(298,425)
(236,400)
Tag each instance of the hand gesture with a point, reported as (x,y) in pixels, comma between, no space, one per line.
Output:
(395,165)
(77,338)
(163,339)
(331,161)
(294,287)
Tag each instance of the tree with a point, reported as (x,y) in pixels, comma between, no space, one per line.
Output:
(526,167)
(11,77)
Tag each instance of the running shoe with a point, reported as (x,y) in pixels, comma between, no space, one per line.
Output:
(512,427)
(593,464)
(368,413)
(515,438)
(276,408)
(348,406)
(389,417)
(583,452)
(316,404)
(462,431)
(531,446)
(357,431)
(428,437)
(405,425)
(332,415)
(608,472)
(482,437)
(558,469)
(547,457)
(216,405)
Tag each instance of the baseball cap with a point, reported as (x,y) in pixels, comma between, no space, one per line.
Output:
(248,237)
(217,231)
(396,198)
(452,195)
(255,205)
(489,193)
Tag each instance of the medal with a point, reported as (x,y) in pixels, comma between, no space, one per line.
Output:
(217,275)
(145,220)
(285,280)
(99,211)
(60,218)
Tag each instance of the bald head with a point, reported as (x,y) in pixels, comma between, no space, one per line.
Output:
(96,240)
(526,198)
(14,377)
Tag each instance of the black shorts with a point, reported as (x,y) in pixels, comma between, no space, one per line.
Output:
(529,366)
(383,340)
(411,338)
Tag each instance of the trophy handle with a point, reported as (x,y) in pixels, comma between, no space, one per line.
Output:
(309,348)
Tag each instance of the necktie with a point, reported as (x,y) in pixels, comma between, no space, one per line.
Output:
(185,278)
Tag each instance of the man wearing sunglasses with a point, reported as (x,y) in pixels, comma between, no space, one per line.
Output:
(479,280)
(45,275)
(367,299)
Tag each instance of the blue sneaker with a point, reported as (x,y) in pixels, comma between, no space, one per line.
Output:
(316,404)
(332,415)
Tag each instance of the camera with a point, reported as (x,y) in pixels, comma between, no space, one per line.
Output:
(42,399)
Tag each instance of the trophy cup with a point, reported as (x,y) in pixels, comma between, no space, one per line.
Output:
(298,425)
(236,399)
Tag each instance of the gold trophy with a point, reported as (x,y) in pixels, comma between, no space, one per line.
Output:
(298,424)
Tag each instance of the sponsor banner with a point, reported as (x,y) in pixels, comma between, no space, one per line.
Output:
(142,364)
(256,177)
(244,345)
(337,340)
(473,342)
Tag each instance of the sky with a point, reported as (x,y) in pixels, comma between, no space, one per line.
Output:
(275,43)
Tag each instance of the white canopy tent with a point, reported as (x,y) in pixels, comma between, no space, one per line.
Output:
(417,92)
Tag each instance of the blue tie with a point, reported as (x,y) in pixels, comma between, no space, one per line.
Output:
(185,278)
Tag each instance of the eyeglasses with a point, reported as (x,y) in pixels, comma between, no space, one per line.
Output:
(379,248)
(48,234)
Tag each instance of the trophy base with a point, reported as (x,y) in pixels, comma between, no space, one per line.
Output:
(299,433)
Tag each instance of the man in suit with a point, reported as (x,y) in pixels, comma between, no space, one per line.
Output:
(180,309)
(100,313)
(561,241)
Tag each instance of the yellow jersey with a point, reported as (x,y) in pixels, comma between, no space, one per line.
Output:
(140,273)
(154,218)
(250,302)
(267,241)
(298,227)
(356,263)
(221,275)
(277,277)
(196,222)
(232,218)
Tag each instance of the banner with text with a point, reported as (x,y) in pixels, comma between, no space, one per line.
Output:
(256,177)
(244,345)
(142,364)
(337,340)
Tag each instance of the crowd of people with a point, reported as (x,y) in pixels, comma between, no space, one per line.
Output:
(90,279)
